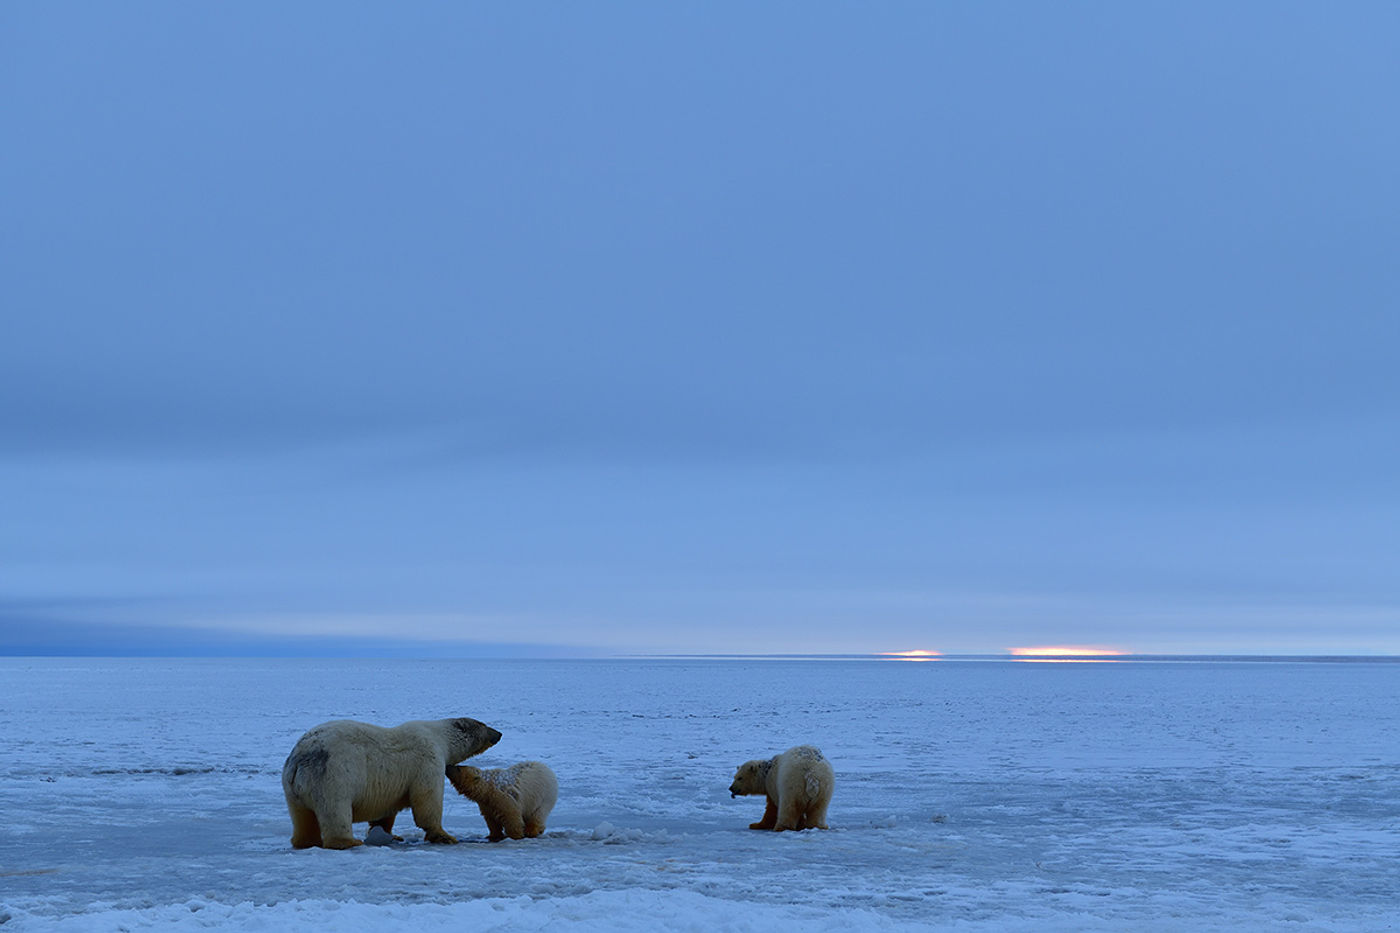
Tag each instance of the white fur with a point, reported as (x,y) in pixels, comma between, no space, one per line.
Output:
(346,772)
(798,785)
(514,801)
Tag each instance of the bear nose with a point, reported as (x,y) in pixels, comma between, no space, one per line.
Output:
(495,736)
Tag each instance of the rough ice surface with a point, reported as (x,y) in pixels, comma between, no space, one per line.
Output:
(146,795)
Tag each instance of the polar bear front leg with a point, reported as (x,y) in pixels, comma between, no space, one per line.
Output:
(770,816)
(427,812)
(512,824)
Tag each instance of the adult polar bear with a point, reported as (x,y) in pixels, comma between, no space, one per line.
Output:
(798,784)
(345,772)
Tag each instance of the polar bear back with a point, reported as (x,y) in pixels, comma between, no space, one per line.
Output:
(376,765)
(533,783)
(802,774)
(797,784)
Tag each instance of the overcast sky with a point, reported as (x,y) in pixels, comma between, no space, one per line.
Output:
(656,327)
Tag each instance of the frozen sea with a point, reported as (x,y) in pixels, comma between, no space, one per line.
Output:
(146,795)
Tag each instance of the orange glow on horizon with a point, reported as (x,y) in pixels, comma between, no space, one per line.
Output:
(1067,651)
(914,654)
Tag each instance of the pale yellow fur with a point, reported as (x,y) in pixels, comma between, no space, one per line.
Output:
(347,772)
(514,801)
(797,784)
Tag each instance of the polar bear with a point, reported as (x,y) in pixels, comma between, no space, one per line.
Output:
(345,772)
(515,801)
(798,784)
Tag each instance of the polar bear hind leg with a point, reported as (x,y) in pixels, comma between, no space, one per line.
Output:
(818,798)
(335,830)
(306,829)
(789,815)
(816,814)
(513,824)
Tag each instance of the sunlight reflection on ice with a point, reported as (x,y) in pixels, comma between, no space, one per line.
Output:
(914,654)
(1067,653)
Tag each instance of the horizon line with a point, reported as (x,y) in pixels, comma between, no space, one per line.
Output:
(1020,659)
(725,656)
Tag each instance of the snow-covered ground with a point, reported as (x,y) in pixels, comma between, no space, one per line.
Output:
(970,796)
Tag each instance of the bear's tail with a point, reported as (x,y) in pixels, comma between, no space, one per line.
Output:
(304,770)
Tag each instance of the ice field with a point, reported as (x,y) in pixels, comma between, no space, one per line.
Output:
(146,795)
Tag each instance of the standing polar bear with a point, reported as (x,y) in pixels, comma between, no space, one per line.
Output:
(515,801)
(346,772)
(798,784)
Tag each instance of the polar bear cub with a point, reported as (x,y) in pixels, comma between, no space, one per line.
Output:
(347,772)
(515,801)
(798,784)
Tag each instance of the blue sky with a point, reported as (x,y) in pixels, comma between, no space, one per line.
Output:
(573,328)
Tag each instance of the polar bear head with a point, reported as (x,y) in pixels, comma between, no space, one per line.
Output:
(750,779)
(468,737)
